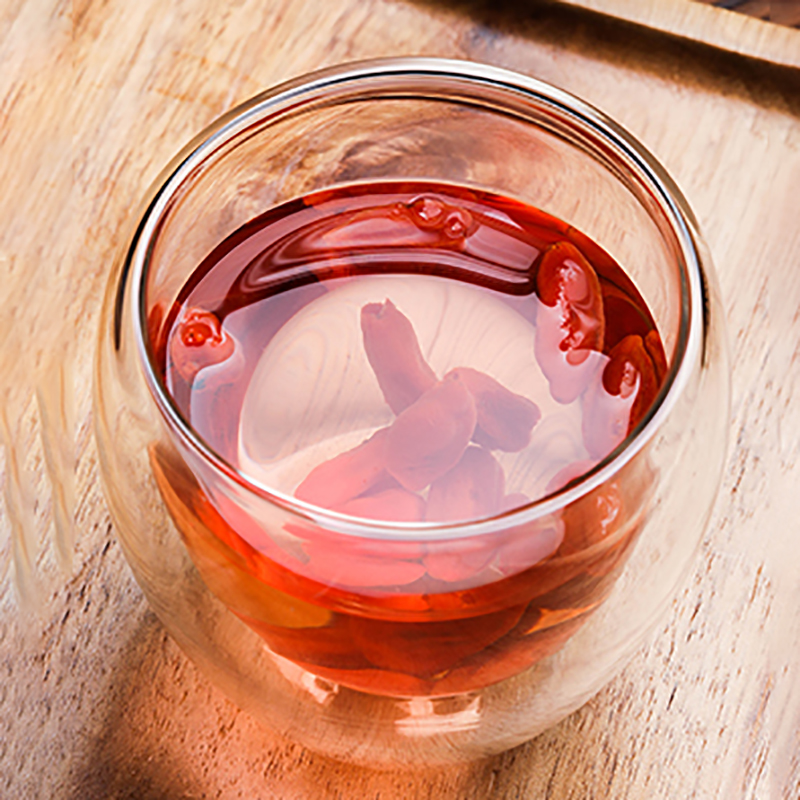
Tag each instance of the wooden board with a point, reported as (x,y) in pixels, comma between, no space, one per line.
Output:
(95,700)
(713,25)
(783,12)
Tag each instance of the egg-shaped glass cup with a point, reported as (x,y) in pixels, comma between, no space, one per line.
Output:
(361,667)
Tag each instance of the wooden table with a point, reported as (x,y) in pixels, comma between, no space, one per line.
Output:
(95,97)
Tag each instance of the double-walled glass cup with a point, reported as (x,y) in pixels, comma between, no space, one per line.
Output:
(320,623)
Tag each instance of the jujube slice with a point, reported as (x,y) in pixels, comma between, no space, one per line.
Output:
(525,545)
(629,363)
(381,681)
(394,355)
(333,565)
(328,646)
(470,490)
(507,657)
(655,349)
(606,416)
(591,519)
(199,341)
(396,505)
(346,476)
(505,419)
(571,321)
(350,561)
(515,500)
(568,474)
(430,436)
(456,561)
(429,648)
(565,278)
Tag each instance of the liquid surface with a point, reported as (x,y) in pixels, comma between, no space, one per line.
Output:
(323,322)
(409,353)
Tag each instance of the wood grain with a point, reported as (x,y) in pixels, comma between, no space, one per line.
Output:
(714,25)
(784,12)
(95,700)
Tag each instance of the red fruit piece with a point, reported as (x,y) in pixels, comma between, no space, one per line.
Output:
(157,336)
(566,279)
(569,473)
(515,500)
(430,436)
(624,315)
(565,336)
(471,490)
(631,369)
(353,562)
(427,649)
(394,355)
(655,349)
(199,341)
(591,519)
(394,505)
(521,547)
(344,477)
(505,419)
(328,646)
(456,561)
(508,657)
(606,416)
(329,565)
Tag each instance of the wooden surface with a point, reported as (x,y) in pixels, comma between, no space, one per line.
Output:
(717,26)
(95,700)
(784,12)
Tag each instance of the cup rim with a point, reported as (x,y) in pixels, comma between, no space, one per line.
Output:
(305,90)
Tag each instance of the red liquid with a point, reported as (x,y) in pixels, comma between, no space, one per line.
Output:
(410,353)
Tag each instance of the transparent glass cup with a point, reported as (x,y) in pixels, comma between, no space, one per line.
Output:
(486,657)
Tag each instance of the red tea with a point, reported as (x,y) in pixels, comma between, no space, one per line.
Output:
(420,355)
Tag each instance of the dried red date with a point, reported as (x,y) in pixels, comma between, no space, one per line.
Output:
(396,505)
(394,355)
(429,648)
(471,490)
(515,652)
(430,436)
(606,417)
(347,475)
(631,369)
(515,500)
(329,646)
(569,473)
(455,561)
(590,519)
(505,419)
(655,349)
(571,323)
(330,564)
(199,341)
(523,546)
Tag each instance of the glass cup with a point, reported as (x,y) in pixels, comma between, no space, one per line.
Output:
(389,643)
